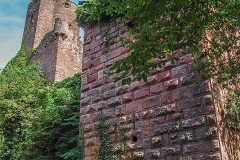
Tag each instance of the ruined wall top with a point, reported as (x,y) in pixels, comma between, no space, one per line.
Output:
(41,19)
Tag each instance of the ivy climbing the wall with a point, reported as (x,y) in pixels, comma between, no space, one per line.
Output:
(108,150)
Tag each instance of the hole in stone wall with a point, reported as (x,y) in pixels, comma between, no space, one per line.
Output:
(134,138)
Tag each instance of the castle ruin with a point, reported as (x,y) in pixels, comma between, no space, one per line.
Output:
(168,118)
(52,29)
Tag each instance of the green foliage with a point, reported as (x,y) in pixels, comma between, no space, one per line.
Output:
(233,105)
(107,150)
(20,103)
(38,120)
(57,136)
(161,27)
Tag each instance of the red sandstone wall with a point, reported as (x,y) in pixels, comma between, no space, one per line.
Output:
(38,22)
(67,63)
(174,119)
(47,56)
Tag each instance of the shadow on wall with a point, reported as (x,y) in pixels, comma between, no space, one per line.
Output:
(81,34)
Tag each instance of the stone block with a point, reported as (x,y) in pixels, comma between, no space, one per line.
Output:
(97,83)
(193,122)
(180,70)
(171,150)
(165,75)
(127,97)
(93,91)
(166,98)
(92,77)
(171,84)
(167,128)
(141,93)
(165,109)
(151,102)
(157,121)
(122,89)
(189,78)
(200,88)
(174,117)
(198,111)
(115,101)
(182,137)
(180,93)
(157,88)
(91,108)
(197,147)
(147,114)
(85,88)
(86,101)
(156,141)
(134,107)
(152,153)
(206,132)
(134,85)
(138,155)
(109,94)
(96,97)
(102,105)
(189,103)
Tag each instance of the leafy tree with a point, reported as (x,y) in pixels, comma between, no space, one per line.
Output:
(20,103)
(204,28)
(38,120)
(58,134)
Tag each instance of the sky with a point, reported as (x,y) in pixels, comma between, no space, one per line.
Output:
(12,21)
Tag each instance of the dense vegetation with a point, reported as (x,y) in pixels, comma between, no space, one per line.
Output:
(38,120)
(207,29)
(204,28)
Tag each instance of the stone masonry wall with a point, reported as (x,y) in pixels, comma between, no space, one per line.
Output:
(52,29)
(171,118)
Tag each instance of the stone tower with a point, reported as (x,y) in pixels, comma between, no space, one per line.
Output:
(51,29)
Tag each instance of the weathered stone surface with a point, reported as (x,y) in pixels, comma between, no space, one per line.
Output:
(165,109)
(157,88)
(178,71)
(114,101)
(147,114)
(206,132)
(189,78)
(156,141)
(127,97)
(171,84)
(151,102)
(189,103)
(166,128)
(141,93)
(193,122)
(180,93)
(134,85)
(85,101)
(200,89)
(171,150)
(197,147)
(108,94)
(182,137)
(134,107)
(152,153)
(138,155)
(121,90)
